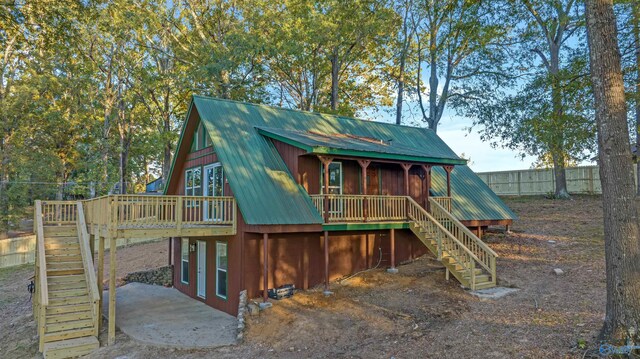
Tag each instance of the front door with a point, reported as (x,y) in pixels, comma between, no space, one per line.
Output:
(202,268)
(213,187)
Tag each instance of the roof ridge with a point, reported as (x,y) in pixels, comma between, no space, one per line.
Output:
(319,114)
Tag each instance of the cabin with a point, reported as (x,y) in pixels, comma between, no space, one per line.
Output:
(392,194)
(259,197)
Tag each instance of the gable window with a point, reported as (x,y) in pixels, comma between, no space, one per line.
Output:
(184,261)
(193,184)
(221,269)
(335,178)
(201,138)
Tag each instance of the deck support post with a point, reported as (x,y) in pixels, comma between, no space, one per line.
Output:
(326,161)
(448,169)
(326,264)
(392,245)
(427,177)
(111,338)
(100,277)
(363,165)
(265,267)
(170,251)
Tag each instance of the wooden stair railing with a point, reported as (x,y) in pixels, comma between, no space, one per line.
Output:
(41,299)
(486,256)
(87,263)
(458,260)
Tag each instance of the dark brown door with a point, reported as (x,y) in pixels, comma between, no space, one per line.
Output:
(373,181)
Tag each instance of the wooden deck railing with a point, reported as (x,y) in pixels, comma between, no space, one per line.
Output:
(486,256)
(141,211)
(362,208)
(59,212)
(445,202)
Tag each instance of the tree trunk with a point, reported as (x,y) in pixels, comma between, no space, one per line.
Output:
(621,227)
(433,86)
(168,146)
(557,145)
(636,37)
(400,98)
(335,71)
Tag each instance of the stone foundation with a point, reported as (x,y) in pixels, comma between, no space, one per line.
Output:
(160,276)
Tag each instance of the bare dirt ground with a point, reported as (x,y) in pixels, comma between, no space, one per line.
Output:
(412,314)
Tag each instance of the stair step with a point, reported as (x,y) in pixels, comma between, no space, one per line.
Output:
(62,252)
(63,309)
(64,272)
(80,299)
(73,257)
(70,348)
(65,279)
(60,231)
(68,334)
(61,239)
(71,325)
(479,278)
(61,245)
(68,317)
(67,292)
(66,286)
(64,265)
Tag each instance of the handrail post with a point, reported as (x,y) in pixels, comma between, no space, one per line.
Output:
(473,274)
(179,214)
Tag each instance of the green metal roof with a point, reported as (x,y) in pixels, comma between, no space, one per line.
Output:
(472,198)
(267,193)
(350,145)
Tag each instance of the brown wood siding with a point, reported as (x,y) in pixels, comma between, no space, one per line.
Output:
(229,305)
(298,258)
(309,173)
(290,156)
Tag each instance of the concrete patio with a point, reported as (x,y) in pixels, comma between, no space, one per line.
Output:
(165,317)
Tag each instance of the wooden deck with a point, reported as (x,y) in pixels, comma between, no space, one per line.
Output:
(67,304)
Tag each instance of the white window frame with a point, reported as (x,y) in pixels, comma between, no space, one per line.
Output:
(191,191)
(184,258)
(322,177)
(218,269)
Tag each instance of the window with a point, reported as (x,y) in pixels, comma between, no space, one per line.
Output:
(193,184)
(184,269)
(335,178)
(221,269)
(201,138)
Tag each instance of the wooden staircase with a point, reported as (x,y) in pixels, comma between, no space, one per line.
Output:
(66,301)
(462,253)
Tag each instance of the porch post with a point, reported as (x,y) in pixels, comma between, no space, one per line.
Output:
(326,161)
(111,337)
(448,169)
(100,276)
(392,240)
(265,267)
(326,264)
(427,177)
(363,165)
(406,167)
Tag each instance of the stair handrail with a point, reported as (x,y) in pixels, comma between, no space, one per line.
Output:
(87,264)
(87,256)
(415,206)
(43,297)
(42,261)
(487,257)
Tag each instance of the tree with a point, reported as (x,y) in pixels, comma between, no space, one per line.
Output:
(459,43)
(621,221)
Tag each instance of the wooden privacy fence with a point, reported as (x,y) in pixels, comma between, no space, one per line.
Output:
(580,180)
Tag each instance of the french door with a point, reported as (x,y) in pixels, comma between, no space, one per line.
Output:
(201,265)
(213,187)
